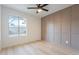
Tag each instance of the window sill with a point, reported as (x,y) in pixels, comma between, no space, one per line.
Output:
(17,35)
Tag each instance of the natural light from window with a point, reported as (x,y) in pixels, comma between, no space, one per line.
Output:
(17,25)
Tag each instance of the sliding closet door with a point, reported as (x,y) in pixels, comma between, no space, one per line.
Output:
(75,27)
(66,22)
(44,28)
(0,27)
(57,28)
(50,29)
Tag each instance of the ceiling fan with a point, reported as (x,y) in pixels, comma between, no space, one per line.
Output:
(39,7)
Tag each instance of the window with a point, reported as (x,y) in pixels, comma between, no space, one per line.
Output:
(17,25)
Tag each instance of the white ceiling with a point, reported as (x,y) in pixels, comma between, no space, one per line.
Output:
(51,7)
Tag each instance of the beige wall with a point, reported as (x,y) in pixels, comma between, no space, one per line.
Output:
(33,26)
(62,27)
(0,27)
(75,27)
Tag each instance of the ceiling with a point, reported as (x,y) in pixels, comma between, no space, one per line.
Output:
(51,7)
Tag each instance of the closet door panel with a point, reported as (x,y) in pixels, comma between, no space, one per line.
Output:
(50,29)
(43,28)
(57,27)
(66,22)
(75,27)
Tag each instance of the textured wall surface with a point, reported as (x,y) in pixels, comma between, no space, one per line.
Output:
(33,28)
(62,27)
(0,27)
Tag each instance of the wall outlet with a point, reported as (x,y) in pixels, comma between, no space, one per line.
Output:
(66,42)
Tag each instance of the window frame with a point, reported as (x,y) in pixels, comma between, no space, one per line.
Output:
(18,28)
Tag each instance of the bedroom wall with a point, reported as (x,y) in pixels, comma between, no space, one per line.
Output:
(0,27)
(33,26)
(75,27)
(62,27)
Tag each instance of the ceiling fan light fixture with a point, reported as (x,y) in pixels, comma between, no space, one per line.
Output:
(39,10)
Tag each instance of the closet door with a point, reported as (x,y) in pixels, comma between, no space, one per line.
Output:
(0,27)
(75,27)
(43,29)
(57,27)
(66,22)
(50,29)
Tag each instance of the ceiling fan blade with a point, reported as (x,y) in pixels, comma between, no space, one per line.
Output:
(44,9)
(38,5)
(44,5)
(32,8)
